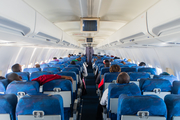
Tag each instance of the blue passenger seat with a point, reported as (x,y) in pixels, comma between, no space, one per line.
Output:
(8,106)
(54,70)
(24,75)
(30,70)
(40,106)
(149,107)
(3,85)
(38,74)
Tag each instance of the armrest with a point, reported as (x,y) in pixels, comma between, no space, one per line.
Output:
(75,110)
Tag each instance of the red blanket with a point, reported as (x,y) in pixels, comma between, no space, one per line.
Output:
(46,78)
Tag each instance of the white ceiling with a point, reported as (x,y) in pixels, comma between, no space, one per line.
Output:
(113,15)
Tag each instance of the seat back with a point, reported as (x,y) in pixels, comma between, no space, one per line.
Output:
(42,66)
(124,69)
(24,75)
(73,75)
(141,107)
(47,107)
(149,70)
(37,74)
(173,105)
(159,87)
(30,70)
(3,85)
(61,87)
(109,78)
(171,78)
(61,66)
(54,70)
(74,70)
(8,106)
(103,71)
(22,88)
(114,90)
(136,76)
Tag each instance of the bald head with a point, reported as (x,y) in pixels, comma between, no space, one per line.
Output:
(13,76)
(122,78)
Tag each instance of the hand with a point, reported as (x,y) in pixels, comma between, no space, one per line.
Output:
(69,78)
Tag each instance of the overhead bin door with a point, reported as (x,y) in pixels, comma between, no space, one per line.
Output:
(164,20)
(45,30)
(16,17)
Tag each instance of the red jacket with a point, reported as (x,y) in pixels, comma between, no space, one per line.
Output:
(46,78)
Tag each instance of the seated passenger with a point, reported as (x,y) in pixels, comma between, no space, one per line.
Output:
(16,68)
(55,59)
(37,66)
(84,72)
(73,63)
(13,76)
(106,64)
(142,64)
(113,68)
(123,78)
(46,78)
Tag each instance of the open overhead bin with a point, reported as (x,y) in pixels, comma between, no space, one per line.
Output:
(16,17)
(164,20)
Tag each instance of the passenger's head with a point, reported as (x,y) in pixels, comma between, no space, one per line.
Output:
(115,68)
(13,76)
(129,60)
(54,58)
(73,63)
(123,62)
(78,59)
(122,78)
(2,77)
(111,60)
(16,68)
(142,64)
(69,55)
(106,63)
(37,66)
(60,58)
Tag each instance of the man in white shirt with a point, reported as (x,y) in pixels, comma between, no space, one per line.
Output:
(122,78)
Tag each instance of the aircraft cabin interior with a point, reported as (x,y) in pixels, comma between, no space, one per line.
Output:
(89,59)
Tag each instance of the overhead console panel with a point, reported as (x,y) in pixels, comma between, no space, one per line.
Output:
(16,17)
(164,20)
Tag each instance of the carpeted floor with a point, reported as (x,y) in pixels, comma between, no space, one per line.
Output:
(90,101)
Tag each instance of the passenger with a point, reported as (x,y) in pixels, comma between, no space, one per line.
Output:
(16,68)
(129,60)
(14,77)
(47,78)
(55,59)
(111,60)
(2,77)
(37,66)
(123,62)
(142,64)
(106,64)
(73,63)
(123,78)
(69,55)
(113,68)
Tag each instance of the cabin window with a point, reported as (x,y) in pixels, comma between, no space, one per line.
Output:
(23,66)
(46,61)
(30,65)
(149,65)
(9,70)
(42,62)
(170,71)
(159,70)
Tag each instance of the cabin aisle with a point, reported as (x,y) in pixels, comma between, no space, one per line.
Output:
(90,101)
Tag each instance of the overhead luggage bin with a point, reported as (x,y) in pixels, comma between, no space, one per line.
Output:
(136,30)
(16,17)
(46,31)
(163,20)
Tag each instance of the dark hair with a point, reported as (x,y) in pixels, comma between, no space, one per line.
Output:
(115,68)
(142,64)
(13,76)
(107,63)
(37,65)
(123,62)
(2,77)
(73,63)
(16,68)
(123,77)
(54,57)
